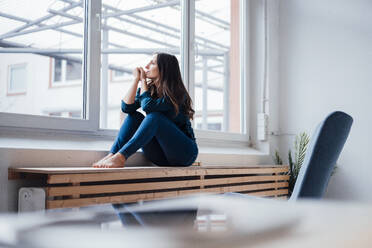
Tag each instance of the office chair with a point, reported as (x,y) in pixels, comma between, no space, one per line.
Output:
(321,156)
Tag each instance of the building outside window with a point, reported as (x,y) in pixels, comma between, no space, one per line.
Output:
(117,76)
(57,66)
(65,72)
(17,83)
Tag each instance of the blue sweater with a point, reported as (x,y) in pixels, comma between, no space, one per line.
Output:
(162,105)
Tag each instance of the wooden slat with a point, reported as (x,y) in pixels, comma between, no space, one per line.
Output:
(15,175)
(249,187)
(83,170)
(76,195)
(113,188)
(160,195)
(116,199)
(159,173)
(121,175)
(130,187)
(201,181)
(246,170)
(243,170)
(245,179)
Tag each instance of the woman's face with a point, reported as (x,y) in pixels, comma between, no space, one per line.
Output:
(152,70)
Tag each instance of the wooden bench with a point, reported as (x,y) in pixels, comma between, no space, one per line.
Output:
(82,186)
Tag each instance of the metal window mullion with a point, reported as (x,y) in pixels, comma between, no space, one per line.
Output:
(205,94)
(226,94)
(37,22)
(244,66)
(185,41)
(187,45)
(142,9)
(43,28)
(104,76)
(93,61)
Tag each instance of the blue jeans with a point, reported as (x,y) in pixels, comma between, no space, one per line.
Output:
(162,142)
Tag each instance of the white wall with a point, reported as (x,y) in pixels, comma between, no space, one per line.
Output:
(325,64)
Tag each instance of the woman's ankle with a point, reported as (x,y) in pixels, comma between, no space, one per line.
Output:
(120,156)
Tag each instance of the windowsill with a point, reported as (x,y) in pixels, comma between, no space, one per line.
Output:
(95,147)
(64,85)
(16,93)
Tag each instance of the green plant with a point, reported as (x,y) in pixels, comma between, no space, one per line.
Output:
(300,146)
(277,158)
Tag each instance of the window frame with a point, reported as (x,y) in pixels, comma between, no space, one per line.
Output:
(9,78)
(47,123)
(220,136)
(92,74)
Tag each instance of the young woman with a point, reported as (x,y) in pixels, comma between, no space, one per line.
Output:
(165,134)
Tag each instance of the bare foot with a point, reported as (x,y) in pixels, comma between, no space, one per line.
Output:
(100,162)
(116,161)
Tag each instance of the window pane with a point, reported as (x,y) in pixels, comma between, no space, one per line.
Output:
(52,50)
(119,73)
(17,79)
(129,40)
(217,65)
(57,70)
(73,70)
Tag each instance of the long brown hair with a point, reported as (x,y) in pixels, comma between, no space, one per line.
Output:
(170,84)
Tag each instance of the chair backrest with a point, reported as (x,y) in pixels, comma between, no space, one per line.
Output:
(323,151)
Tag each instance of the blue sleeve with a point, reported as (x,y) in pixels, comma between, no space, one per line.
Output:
(154,105)
(129,108)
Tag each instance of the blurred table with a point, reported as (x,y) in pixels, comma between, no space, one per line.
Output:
(223,221)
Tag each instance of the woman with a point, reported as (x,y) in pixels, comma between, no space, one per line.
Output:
(165,134)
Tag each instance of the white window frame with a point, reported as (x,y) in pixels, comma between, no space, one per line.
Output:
(91,95)
(10,67)
(218,137)
(91,74)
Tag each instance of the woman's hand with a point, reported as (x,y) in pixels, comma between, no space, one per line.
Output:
(130,97)
(144,86)
(137,74)
(143,75)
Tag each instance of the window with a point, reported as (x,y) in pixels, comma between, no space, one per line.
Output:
(132,31)
(17,79)
(117,75)
(52,48)
(90,43)
(66,72)
(73,70)
(217,65)
(57,70)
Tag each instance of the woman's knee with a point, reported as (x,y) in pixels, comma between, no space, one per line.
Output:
(155,155)
(155,115)
(136,116)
